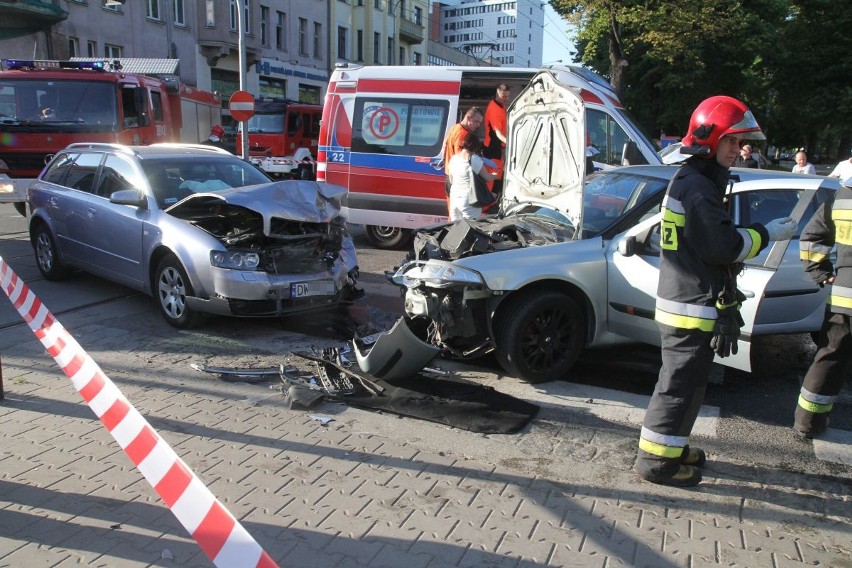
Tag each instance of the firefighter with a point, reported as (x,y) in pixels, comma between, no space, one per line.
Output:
(697,300)
(217,137)
(831,225)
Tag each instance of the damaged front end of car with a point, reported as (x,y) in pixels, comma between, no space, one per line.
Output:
(452,302)
(286,249)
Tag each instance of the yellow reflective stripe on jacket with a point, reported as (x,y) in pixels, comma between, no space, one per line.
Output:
(751,244)
(841,296)
(662,445)
(841,214)
(813,252)
(685,316)
(678,219)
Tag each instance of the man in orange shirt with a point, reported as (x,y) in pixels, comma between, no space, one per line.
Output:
(495,131)
(470,123)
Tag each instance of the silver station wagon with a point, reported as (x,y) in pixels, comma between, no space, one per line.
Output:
(573,262)
(197,228)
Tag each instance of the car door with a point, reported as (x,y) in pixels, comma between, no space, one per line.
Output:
(113,232)
(633,273)
(72,216)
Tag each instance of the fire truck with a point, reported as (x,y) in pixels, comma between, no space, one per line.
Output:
(46,105)
(282,136)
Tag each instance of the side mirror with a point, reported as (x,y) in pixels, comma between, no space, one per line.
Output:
(132,197)
(627,246)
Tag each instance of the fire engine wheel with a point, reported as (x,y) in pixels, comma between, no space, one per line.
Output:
(539,336)
(47,257)
(171,288)
(387,237)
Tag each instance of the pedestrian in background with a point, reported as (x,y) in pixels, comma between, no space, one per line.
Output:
(802,165)
(470,123)
(495,132)
(465,164)
(745,159)
(842,170)
(697,300)
(830,226)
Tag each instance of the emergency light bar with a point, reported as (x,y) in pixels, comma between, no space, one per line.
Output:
(33,64)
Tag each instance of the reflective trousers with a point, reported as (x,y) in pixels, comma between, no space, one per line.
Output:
(677,398)
(826,374)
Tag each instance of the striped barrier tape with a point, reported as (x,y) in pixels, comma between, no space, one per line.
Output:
(222,538)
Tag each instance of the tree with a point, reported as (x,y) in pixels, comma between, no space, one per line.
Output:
(664,56)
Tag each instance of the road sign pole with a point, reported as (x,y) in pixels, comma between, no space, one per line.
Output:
(242,49)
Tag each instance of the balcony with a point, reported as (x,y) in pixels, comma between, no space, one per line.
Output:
(23,17)
(410,31)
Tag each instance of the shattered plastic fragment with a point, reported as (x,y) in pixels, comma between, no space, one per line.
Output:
(321,419)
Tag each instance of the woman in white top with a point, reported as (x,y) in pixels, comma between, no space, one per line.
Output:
(461,165)
(802,166)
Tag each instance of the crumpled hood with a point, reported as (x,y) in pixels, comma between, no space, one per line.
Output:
(546,151)
(295,200)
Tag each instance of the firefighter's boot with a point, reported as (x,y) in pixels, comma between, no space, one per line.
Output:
(684,476)
(810,424)
(693,456)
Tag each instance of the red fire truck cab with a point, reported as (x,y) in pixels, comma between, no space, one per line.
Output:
(282,134)
(46,105)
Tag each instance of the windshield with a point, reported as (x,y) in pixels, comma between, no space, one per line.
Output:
(173,179)
(57,105)
(266,123)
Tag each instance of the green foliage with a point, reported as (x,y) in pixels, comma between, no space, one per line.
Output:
(791,62)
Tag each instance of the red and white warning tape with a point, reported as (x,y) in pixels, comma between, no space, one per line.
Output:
(215,530)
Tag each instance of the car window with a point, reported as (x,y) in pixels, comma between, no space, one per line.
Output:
(608,196)
(766,205)
(81,175)
(58,170)
(173,179)
(117,174)
(606,136)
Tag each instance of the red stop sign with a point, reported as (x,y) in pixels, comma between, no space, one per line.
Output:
(241,105)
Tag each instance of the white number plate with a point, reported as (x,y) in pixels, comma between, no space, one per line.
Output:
(317,288)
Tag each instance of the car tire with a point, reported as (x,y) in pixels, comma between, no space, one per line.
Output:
(539,336)
(47,256)
(171,287)
(387,238)
(21,208)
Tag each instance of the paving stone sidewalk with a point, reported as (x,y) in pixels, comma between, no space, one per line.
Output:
(366,489)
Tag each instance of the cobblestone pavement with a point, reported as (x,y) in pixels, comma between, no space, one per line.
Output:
(365,489)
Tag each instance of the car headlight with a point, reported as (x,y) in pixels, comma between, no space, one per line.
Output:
(438,275)
(234,259)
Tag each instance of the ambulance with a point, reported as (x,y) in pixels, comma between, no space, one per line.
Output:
(383,129)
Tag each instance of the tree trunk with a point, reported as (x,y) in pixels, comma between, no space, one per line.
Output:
(617,61)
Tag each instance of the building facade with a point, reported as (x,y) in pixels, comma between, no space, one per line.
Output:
(511,33)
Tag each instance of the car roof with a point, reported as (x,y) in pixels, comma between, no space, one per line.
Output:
(154,150)
(752,175)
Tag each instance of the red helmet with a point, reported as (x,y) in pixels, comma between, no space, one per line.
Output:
(716,118)
(217,130)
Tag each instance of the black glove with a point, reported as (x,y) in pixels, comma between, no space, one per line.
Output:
(728,324)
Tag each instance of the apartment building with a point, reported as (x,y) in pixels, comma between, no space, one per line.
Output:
(509,32)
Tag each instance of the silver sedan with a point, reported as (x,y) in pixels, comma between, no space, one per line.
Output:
(537,290)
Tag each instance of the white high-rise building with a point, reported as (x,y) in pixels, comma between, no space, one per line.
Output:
(512,33)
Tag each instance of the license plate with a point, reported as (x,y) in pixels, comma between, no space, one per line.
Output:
(306,289)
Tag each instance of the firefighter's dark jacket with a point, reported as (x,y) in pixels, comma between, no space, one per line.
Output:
(699,241)
(831,225)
